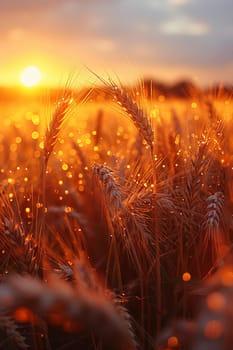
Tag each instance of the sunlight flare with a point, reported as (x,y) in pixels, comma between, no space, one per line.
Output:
(30,76)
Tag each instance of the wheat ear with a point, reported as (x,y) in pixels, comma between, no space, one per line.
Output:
(54,126)
(10,327)
(57,301)
(15,240)
(214,236)
(112,191)
(136,113)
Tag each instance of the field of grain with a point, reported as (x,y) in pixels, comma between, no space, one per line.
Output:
(116,225)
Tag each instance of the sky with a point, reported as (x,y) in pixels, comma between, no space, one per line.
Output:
(166,40)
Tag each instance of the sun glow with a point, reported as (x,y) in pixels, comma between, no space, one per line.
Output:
(30,76)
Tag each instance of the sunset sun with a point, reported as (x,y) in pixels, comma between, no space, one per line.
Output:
(30,76)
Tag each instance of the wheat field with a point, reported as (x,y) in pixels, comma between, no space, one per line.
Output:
(116,223)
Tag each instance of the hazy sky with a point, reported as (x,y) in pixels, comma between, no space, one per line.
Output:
(166,39)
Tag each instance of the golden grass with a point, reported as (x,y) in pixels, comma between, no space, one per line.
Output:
(114,227)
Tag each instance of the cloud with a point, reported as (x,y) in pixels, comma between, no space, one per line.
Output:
(15,6)
(184,26)
(179,2)
(217,13)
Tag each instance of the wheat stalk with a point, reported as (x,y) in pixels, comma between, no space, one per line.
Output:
(142,123)
(51,136)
